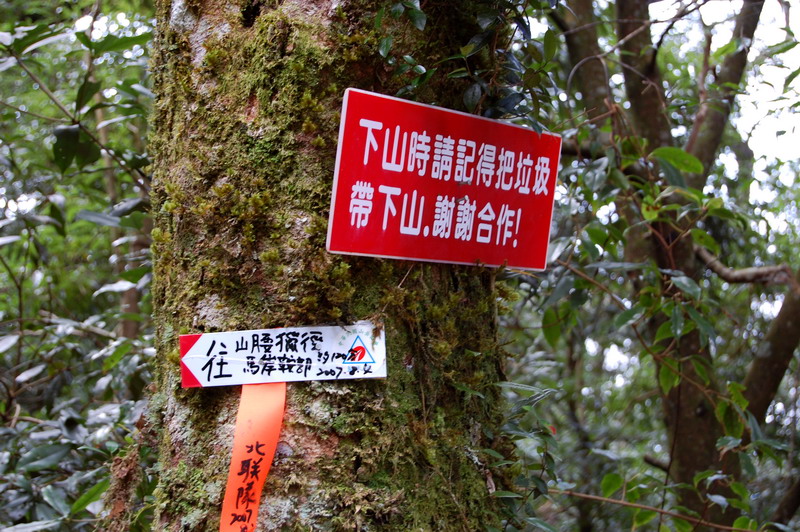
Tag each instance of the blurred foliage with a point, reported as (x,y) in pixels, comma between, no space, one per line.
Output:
(75,334)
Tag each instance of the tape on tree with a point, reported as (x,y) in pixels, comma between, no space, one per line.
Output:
(258,425)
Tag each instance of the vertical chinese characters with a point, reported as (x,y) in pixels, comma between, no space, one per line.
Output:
(249,473)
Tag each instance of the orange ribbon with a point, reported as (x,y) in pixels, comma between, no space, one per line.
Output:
(258,425)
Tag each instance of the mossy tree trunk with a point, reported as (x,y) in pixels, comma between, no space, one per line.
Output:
(246,120)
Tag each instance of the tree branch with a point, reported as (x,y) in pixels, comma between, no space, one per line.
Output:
(643,83)
(714,111)
(690,519)
(139,177)
(762,274)
(771,360)
(789,504)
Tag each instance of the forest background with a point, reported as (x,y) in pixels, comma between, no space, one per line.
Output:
(652,377)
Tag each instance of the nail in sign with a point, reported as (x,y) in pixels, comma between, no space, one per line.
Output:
(419,182)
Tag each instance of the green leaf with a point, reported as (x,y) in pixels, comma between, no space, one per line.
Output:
(66,145)
(98,218)
(457,385)
(701,476)
(728,443)
(472,96)
(550,44)
(707,331)
(729,48)
(551,326)
(88,497)
(781,47)
(729,419)
(735,390)
(664,332)
(676,321)
(519,386)
(25,37)
(643,517)
(85,92)
(120,351)
(112,43)
(617,266)
(649,209)
(43,457)
(475,44)
(687,286)
(418,18)
(385,46)
(745,523)
(682,525)
(790,78)
(538,482)
(704,239)
(610,484)
(397,9)
(134,274)
(598,234)
(28,374)
(56,498)
(739,489)
(134,220)
(562,289)
(680,159)
(701,368)
(84,39)
(34,526)
(540,524)
(87,151)
(119,286)
(50,37)
(627,316)
(506,494)
(672,175)
(57,214)
(668,376)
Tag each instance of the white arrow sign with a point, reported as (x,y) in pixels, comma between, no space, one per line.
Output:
(283,355)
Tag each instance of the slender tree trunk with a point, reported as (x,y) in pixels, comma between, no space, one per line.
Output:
(691,424)
(246,118)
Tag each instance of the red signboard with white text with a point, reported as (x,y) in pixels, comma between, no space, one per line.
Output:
(419,182)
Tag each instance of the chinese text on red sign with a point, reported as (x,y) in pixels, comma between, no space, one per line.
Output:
(424,183)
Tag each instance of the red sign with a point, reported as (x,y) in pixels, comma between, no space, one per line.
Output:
(419,182)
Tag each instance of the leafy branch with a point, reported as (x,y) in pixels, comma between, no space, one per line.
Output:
(138,176)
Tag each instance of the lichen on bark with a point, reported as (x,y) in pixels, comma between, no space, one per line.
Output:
(246,118)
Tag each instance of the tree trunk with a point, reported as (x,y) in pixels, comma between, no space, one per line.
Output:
(691,424)
(246,118)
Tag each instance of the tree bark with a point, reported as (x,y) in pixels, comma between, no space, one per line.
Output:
(689,407)
(245,139)
(643,84)
(578,22)
(772,359)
